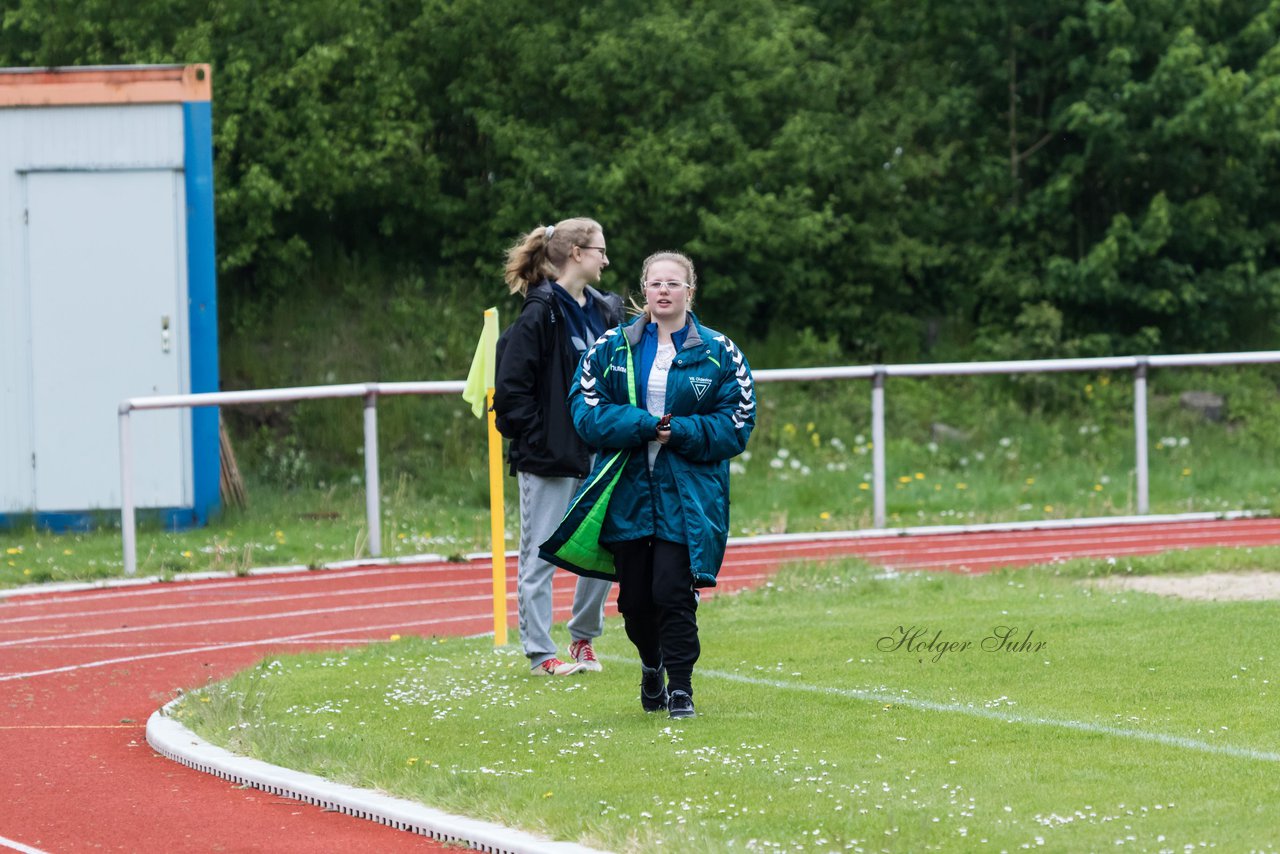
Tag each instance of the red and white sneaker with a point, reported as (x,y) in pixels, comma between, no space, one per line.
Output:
(581,652)
(556,667)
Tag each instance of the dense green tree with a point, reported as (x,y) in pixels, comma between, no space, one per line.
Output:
(1023,178)
(1139,143)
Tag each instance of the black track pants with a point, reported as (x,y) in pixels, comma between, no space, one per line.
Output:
(659,607)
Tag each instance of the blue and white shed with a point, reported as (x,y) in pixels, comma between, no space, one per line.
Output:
(107,290)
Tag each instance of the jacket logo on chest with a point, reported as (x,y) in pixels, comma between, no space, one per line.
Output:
(700,386)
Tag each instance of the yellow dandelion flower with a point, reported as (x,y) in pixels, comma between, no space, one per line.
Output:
(26,572)
(824,515)
(1030,481)
(789,429)
(906,478)
(1097,487)
(394,638)
(1186,472)
(1104,380)
(1088,388)
(962,486)
(412,760)
(809,427)
(864,486)
(187,554)
(1048,508)
(546,795)
(14,551)
(205,700)
(919,475)
(816,440)
(67,552)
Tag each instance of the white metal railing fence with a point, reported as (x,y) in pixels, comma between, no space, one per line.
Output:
(370,392)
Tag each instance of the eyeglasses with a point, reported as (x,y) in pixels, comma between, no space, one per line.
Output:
(603,254)
(670,286)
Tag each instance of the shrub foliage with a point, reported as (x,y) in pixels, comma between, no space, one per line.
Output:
(1018,178)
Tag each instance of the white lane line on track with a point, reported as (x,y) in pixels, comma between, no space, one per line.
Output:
(952,558)
(287,639)
(156,586)
(38,640)
(88,665)
(1246,520)
(1042,557)
(283,597)
(159,644)
(36,645)
(870,549)
(280,615)
(18,846)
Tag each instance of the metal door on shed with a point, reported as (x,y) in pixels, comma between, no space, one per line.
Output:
(107,283)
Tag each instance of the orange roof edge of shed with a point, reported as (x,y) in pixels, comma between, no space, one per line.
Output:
(141,84)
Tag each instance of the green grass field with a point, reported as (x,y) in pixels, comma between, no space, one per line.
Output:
(839,708)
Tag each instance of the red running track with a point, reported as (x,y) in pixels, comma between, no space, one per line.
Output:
(81,672)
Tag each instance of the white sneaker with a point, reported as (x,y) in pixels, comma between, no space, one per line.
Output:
(556,667)
(581,652)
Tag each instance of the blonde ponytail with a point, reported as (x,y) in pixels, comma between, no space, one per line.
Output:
(540,253)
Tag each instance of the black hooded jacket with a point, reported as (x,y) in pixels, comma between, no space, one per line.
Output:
(536,362)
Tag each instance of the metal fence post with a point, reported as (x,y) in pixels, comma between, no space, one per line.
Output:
(128,531)
(1140,435)
(373,512)
(877,447)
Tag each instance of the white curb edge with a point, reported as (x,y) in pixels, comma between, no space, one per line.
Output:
(174,741)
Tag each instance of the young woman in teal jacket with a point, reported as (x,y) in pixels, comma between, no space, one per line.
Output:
(668,402)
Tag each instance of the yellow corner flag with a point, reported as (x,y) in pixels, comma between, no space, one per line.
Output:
(479,393)
(480,377)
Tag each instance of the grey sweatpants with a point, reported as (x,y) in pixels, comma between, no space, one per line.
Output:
(543,501)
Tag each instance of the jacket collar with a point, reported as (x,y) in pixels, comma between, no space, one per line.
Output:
(542,291)
(635,331)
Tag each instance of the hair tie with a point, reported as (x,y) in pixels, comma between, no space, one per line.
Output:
(546,235)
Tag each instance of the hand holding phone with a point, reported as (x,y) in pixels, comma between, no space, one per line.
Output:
(664,423)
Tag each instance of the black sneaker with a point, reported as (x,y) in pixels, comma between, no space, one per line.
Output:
(681,705)
(653,689)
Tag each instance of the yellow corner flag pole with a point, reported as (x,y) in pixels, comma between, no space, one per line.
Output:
(479,393)
(497,534)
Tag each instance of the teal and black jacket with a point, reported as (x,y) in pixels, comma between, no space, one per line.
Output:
(711,398)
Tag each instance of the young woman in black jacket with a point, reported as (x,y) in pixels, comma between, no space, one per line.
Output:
(553,267)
